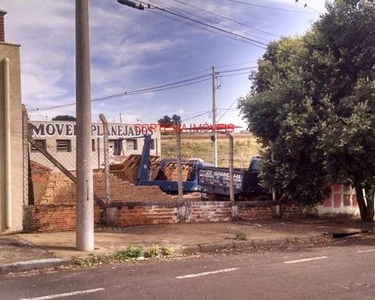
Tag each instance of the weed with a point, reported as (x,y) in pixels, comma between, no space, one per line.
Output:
(93,260)
(152,252)
(240,236)
(128,254)
(167,251)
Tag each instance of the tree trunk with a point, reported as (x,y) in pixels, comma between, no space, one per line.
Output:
(366,207)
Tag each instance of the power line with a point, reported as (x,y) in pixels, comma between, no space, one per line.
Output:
(202,28)
(253,42)
(242,38)
(227,18)
(270,7)
(227,110)
(158,88)
(237,74)
(236,64)
(203,18)
(236,70)
(307,6)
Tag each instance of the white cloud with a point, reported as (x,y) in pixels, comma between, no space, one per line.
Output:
(130,49)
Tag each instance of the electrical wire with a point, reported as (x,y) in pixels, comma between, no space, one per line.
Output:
(158,88)
(254,42)
(200,27)
(309,7)
(227,110)
(241,38)
(237,74)
(236,70)
(270,7)
(205,19)
(227,18)
(236,64)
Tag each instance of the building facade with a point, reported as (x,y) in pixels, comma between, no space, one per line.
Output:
(59,139)
(11,146)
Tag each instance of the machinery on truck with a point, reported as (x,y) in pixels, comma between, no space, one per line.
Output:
(214,182)
(146,169)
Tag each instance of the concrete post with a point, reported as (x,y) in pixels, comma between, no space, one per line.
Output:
(231,183)
(106,158)
(179,166)
(85,203)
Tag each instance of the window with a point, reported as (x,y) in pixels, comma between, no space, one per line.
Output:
(111,144)
(63,146)
(131,145)
(93,145)
(41,143)
(152,144)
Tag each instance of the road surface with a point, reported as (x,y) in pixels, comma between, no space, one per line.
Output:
(342,271)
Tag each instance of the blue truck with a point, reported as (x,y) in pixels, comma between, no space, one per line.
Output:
(166,177)
(214,182)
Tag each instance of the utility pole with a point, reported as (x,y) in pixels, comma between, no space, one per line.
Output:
(214,115)
(85,202)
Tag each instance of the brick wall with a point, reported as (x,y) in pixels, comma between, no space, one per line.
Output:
(129,215)
(62,217)
(56,217)
(256,210)
(2,30)
(57,188)
(210,212)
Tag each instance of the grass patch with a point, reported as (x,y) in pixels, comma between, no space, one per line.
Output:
(130,253)
(195,145)
(167,251)
(240,236)
(152,252)
(93,260)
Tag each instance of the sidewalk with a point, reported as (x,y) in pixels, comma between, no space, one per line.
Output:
(37,250)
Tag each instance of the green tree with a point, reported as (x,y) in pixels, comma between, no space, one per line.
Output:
(64,118)
(312,106)
(167,120)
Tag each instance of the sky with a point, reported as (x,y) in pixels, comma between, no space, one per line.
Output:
(132,49)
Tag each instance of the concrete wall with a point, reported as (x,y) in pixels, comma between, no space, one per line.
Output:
(12,52)
(343,200)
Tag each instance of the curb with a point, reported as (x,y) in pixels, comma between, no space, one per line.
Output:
(34,264)
(255,243)
(22,266)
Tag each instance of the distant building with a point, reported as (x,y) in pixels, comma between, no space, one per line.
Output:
(59,138)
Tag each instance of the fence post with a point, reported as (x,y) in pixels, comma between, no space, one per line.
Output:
(26,159)
(233,208)
(179,166)
(106,158)
(110,212)
(231,183)
(98,148)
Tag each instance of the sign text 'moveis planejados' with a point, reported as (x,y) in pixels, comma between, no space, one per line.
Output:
(68,129)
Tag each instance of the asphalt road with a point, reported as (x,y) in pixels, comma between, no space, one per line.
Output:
(342,271)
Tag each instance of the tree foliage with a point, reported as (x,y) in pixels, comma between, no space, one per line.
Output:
(64,118)
(167,120)
(312,106)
